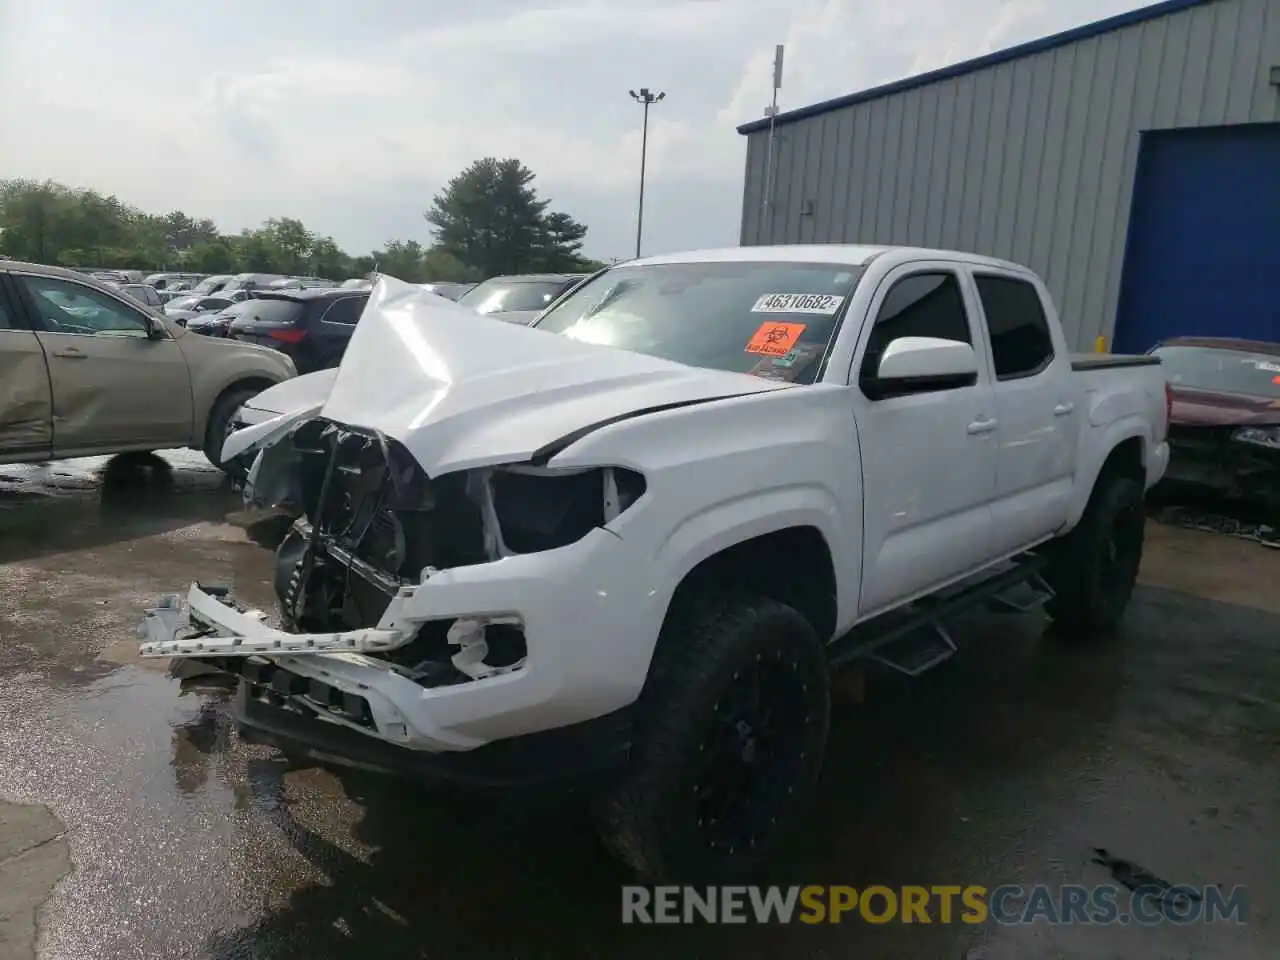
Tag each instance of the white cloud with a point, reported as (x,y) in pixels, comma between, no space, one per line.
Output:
(351,117)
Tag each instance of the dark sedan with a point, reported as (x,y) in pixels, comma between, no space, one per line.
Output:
(1224,430)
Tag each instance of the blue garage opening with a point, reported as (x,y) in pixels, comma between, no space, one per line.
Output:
(1203,254)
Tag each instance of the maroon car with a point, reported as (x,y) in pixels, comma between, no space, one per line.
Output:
(1224,428)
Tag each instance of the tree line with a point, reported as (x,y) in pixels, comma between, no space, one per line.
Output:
(486,221)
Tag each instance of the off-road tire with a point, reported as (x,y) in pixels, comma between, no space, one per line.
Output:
(709,650)
(1093,569)
(216,431)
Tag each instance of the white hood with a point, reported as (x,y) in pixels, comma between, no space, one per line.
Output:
(460,390)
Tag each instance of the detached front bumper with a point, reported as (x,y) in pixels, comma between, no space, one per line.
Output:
(590,616)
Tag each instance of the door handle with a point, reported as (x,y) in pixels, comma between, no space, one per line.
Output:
(1062,409)
(70,353)
(982,426)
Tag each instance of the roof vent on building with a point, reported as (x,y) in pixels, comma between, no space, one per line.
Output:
(806,208)
(1275,76)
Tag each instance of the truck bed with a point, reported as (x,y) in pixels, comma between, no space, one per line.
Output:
(1103,361)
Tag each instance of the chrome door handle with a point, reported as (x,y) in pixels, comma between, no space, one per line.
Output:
(981,426)
(1062,409)
(69,353)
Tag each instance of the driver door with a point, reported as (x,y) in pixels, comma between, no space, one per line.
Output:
(113,386)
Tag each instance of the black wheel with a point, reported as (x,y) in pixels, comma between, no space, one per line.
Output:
(219,428)
(729,741)
(1094,568)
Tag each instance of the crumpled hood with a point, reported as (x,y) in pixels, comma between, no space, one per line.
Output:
(296,393)
(461,390)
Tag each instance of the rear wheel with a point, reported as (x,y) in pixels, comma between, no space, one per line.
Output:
(729,741)
(219,427)
(1094,568)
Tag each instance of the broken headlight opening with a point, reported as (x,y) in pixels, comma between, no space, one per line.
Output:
(374,523)
(1262,436)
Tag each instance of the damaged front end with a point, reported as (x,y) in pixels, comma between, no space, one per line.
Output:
(362,644)
(1236,463)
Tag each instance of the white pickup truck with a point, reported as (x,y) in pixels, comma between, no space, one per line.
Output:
(631,542)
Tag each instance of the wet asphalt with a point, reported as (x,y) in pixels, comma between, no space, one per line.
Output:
(1008,765)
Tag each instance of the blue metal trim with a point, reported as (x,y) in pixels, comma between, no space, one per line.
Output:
(1141,15)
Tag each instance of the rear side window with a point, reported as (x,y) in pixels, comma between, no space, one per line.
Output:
(273,311)
(1021,345)
(345,310)
(921,305)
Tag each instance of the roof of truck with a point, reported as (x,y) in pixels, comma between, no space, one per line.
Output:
(854,255)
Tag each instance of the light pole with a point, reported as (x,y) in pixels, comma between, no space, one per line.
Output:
(646,98)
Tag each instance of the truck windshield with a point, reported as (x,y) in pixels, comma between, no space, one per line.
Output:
(1222,370)
(769,319)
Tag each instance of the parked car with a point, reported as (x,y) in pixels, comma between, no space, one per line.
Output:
(218,324)
(450,291)
(251,282)
(519,299)
(143,293)
(184,309)
(88,370)
(629,545)
(356,283)
(1224,435)
(301,283)
(311,326)
(209,285)
(173,281)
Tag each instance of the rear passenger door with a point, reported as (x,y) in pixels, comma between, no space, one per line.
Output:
(26,405)
(1036,408)
(928,461)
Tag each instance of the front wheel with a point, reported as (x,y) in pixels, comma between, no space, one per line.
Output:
(1094,568)
(730,737)
(219,427)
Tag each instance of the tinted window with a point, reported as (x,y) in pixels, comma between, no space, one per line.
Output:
(67,307)
(771,319)
(5,322)
(272,311)
(1019,330)
(214,303)
(346,310)
(1222,370)
(921,305)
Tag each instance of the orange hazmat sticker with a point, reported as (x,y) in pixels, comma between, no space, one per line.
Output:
(775,339)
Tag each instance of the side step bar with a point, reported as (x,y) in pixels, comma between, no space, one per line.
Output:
(915,639)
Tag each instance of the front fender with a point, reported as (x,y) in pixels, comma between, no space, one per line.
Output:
(264,434)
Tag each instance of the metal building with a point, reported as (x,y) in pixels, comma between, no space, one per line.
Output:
(1134,163)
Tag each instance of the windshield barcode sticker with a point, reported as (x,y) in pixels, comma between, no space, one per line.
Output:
(823,304)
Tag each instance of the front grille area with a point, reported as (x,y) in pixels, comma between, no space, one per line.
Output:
(373,522)
(271,684)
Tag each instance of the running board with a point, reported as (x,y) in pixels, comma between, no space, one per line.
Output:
(914,638)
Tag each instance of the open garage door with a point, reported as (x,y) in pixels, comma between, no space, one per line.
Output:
(1203,255)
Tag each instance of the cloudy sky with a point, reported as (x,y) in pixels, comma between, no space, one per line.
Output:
(351,115)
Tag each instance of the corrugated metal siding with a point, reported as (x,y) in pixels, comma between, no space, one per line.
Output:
(1032,160)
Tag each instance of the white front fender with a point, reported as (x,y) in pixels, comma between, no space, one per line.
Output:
(263,434)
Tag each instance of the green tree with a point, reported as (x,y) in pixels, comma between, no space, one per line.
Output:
(441,266)
(402,259)
(489,218)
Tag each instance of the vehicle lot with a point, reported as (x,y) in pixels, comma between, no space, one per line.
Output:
(1009,765)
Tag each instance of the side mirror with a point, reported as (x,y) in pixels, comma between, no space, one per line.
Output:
(922,365)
